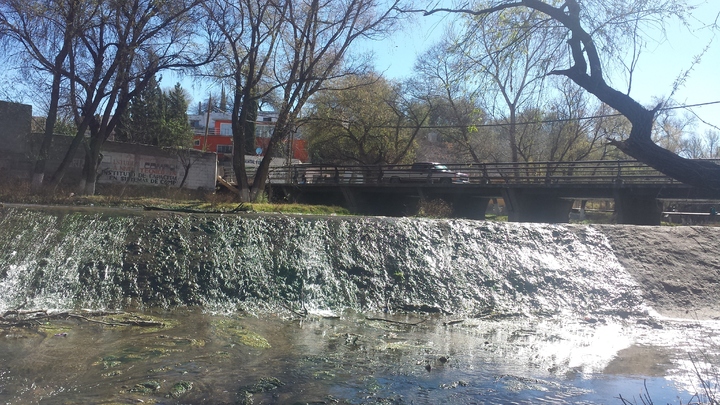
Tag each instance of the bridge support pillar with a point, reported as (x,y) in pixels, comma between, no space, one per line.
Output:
(351,199)
(633,208)
(524,205)
(469,207)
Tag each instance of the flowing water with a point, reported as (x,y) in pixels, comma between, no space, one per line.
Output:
(284,310)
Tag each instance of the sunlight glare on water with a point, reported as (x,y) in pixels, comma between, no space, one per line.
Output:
(352,360)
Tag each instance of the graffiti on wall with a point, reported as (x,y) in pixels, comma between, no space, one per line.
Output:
(138,169)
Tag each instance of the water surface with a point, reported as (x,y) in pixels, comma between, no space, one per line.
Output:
(348,359)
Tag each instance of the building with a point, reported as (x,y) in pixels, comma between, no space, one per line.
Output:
(213,133)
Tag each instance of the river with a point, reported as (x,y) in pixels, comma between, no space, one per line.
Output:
(282,309)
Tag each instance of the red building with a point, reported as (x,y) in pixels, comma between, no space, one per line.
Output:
(218,136)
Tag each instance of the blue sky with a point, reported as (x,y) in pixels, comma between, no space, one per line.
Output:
(661,63)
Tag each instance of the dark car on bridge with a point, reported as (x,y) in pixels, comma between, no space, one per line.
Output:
(424,172)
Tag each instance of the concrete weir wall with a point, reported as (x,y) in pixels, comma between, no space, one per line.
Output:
(121,163)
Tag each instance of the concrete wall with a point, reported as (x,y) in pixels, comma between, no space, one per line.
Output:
(15,120)
(122,163)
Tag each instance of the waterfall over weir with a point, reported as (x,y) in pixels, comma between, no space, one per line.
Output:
(64,259)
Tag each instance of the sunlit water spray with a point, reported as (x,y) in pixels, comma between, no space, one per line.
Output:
(364,264)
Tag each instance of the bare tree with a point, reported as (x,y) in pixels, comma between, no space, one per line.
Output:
(671,129)
(702,147)
(315,47)
(510,52)
(445,82)
(586,36)
(287,49)
(712,144)
(570,134)
(45,31)
(251,30)
(126,45)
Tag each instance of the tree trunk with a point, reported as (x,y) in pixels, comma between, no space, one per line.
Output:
(43,154)
(639,145)
(239,116)
(513,135)
(92,161)
(252,107)
(280,132)
(69,156)
(187,162)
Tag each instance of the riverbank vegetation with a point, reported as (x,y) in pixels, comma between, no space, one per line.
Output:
(199,201)
(155,198)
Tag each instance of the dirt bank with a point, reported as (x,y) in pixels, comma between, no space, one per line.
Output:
(677,267)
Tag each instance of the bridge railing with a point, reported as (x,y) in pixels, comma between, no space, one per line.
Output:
(585,172)
(326,174)
(547,173)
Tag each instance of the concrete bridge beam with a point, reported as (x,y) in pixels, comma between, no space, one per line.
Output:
(633,208)
(525,205)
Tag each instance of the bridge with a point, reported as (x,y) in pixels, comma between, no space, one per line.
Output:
(532,192)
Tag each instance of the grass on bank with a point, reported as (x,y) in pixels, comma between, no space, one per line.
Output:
(124,196)
(158,198)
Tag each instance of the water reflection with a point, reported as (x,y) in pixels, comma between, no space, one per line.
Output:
(202,358)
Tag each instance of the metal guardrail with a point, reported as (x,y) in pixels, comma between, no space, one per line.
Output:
(547,173)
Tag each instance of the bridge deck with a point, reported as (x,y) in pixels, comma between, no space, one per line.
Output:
(587,179)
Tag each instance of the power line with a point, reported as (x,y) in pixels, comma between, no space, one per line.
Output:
(691,105)
(549,121)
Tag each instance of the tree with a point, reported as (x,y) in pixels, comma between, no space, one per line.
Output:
(705,147)
(565,134)
(510,53)
(176,130)
(315,49)
(45,31)
(603,25)
(292,47)
(446,83)
(157,118)
(712,144)
(671,129)
(367,122)
(459,79)
(251,30)
(117,56)
(144,117)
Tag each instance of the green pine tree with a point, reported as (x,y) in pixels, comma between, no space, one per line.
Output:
(176,127)
(157,118)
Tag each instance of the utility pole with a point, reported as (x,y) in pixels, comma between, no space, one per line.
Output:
(207,122)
